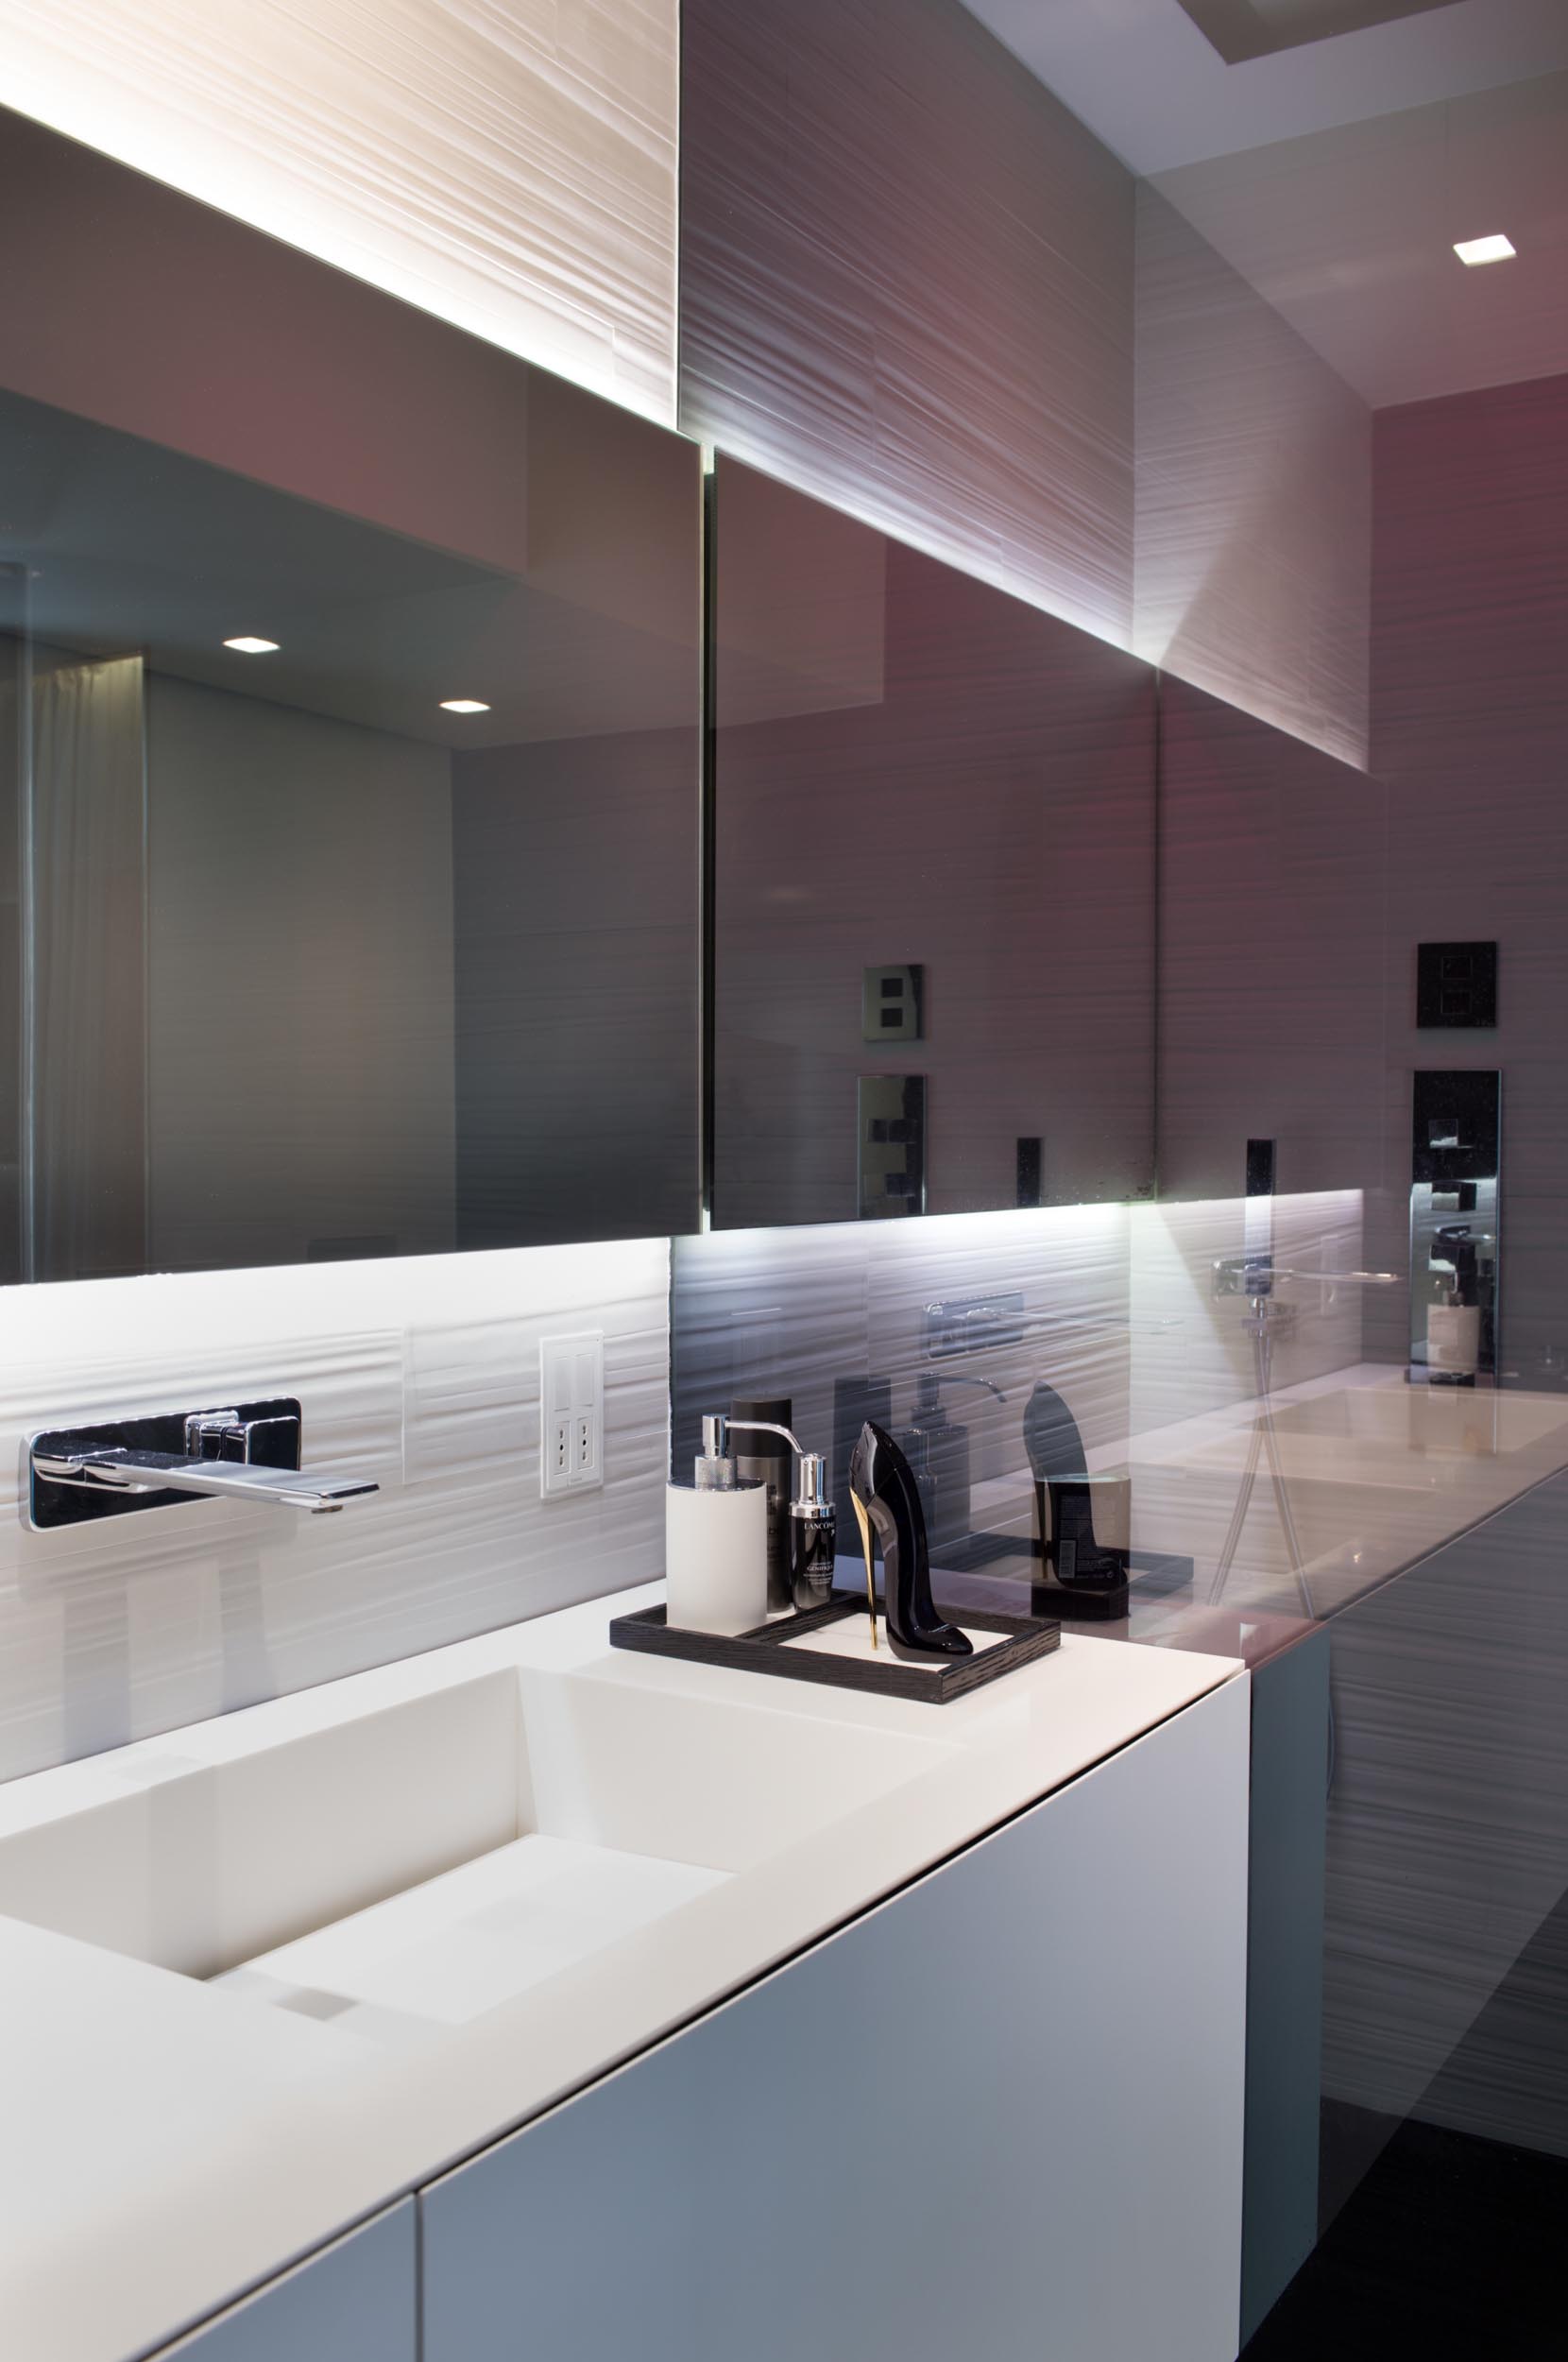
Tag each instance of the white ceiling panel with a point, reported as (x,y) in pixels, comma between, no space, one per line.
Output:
(1143,77)
(1349,234)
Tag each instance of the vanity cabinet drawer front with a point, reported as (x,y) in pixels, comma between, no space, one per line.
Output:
(355,2302)
(1000,2114)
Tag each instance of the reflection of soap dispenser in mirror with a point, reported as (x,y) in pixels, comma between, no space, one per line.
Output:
(1083,1521)
(716,1544)
(1454,1324)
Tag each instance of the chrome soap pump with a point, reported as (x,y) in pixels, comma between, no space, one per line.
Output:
(813,1522)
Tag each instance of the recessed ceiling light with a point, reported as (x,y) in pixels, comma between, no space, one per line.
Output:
(1473,250)
(247,646)
(463,705)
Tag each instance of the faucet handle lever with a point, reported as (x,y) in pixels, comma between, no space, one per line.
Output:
(264,1440)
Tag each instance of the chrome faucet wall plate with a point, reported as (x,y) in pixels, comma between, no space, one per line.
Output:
(248,1452)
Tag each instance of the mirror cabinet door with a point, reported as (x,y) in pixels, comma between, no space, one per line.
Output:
(934,838)
(349,755)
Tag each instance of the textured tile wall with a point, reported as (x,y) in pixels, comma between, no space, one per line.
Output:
(1470,703)
(421,1374)
(788,1312)
(906,285)
(1254,496)
(512,169)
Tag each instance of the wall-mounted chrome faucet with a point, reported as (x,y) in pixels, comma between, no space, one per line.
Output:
(250,1452)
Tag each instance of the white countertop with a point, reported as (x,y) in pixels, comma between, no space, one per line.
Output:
(166,2142)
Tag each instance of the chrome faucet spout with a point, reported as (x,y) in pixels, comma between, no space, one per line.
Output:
(223,1480)
(245,1452)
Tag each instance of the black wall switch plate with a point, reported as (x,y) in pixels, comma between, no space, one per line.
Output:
(1456,984)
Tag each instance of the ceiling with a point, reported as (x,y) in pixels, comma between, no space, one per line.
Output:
(1334,152)
(128,546)
(1144,79)
(1349,234)
(1258,28)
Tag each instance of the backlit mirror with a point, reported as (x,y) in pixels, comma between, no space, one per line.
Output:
(934,897)
(350,744)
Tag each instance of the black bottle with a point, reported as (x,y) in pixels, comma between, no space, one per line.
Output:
(814,1536)
(886,1504)
(766,1459)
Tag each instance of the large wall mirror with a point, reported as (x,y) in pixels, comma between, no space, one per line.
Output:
(934,838)
(350,751)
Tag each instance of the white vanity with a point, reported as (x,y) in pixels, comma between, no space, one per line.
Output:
(531,2000)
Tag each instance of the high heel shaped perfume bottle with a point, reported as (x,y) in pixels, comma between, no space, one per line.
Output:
(887,1506)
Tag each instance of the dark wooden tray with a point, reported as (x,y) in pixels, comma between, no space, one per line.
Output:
(1019,1640)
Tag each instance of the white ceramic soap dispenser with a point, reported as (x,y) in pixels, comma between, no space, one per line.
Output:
(716,1544)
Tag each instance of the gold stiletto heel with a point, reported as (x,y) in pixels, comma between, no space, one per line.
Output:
(864,1524)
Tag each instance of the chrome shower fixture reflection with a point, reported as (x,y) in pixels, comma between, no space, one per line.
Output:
(1255,1277)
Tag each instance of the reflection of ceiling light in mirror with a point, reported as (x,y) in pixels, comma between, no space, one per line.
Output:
(247,646)
(463,705)
(1473,250)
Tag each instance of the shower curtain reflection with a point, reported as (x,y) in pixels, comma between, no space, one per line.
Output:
(84,929)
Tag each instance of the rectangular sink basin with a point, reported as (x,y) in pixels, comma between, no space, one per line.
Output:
(410,1865)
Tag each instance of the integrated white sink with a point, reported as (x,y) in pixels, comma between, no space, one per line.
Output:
(408,1867)
(287,1964)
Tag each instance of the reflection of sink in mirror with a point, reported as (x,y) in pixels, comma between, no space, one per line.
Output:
(1424,1418)
(404,1869)
(1397,1436)
(1378,1474)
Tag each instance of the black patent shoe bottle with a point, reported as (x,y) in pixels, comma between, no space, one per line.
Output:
(887,1504)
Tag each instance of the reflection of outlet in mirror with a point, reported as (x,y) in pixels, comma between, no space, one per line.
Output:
(572,1414)
(893,1003)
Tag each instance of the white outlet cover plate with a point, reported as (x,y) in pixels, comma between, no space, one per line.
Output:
(572,1414)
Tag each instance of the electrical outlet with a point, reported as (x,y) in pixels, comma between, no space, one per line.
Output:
(571,1414)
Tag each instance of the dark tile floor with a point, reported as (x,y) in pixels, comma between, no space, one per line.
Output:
(1451,2246)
